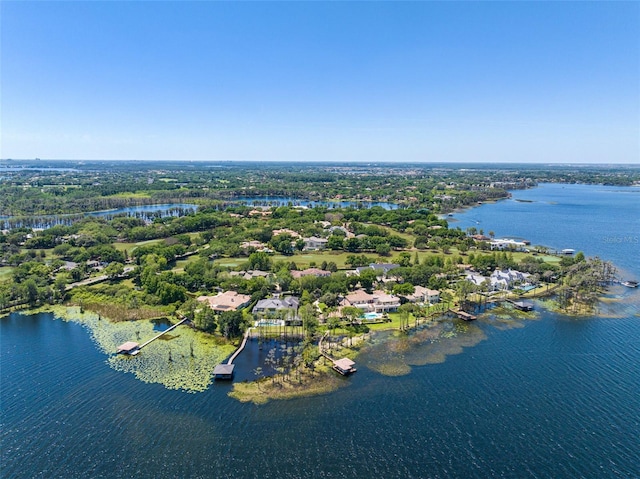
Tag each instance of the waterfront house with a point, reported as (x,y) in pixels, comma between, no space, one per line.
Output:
(423,295)
(508,244)
(376,302)
(227,301)
(271,305)
(506,279)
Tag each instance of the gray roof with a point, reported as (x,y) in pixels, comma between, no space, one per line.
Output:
(290,302)
(224,369)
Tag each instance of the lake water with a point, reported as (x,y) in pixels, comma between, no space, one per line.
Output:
(548,398)
(286,201)
(48,221)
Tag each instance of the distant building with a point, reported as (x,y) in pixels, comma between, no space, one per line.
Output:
(286,231)
(315,243)
(382,269)
(310,272)
(508,244)
(257,245)
(227,301)
(251,274)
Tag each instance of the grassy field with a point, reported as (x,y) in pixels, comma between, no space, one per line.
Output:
(5,273)
(129,247)
(303,260)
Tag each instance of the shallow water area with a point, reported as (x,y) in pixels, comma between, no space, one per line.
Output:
(183,359)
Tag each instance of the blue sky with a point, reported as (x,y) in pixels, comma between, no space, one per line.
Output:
(314,81)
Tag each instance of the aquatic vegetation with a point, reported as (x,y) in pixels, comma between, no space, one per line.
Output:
(184,360)
(393,355)
(322,380)
(503,318)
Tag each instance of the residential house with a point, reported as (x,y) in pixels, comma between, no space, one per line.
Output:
(287,231)
(272,305)
(423,295)
(250,274)
(256,245)
(508,244)
(378,301)
(506,279)
(315,243)
(227,301)
(310,272)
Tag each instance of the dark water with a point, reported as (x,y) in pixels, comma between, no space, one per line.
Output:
(553,398)
(598,220)
(144,211)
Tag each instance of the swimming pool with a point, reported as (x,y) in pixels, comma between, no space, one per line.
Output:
(371,315)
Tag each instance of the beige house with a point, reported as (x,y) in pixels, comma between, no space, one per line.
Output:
(378,301)
(423,295)
(227,301)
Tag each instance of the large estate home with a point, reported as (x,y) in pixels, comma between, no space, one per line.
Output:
(376,302)
(423,295)
(272,305)
(227,301)
(499,280)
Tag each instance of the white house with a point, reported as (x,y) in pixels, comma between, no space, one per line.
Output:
(507,278)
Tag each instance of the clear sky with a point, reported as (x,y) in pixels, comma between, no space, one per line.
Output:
(314,81)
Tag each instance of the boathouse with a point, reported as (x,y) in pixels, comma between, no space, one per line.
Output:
(130,347)
(344,366)
(523,305)
(223,372)
(465,316)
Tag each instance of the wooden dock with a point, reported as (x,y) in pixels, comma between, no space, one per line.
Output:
(464,315)
(132,348)
(344,366)
(521,305)
(239,350)
(225,371)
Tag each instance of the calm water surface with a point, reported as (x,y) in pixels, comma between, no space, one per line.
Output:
(554,398)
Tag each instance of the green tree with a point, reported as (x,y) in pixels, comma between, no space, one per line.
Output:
(231,323)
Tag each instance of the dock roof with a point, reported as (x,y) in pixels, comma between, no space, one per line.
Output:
(224,369)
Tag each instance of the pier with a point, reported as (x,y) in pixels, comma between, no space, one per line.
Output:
(225,370)
(132,348)
(464,315)
(521,305)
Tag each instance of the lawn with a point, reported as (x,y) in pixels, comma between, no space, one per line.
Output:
(5,273)
(129,247)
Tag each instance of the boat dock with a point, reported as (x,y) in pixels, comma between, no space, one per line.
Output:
(132,348)
(521,305)
(225,370)
(344,366)
(464,315)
